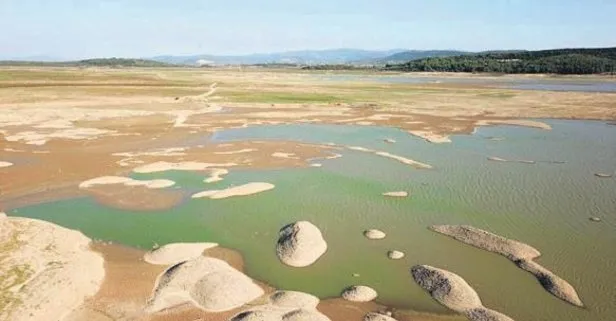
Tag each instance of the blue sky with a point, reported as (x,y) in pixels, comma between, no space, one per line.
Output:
(139,28)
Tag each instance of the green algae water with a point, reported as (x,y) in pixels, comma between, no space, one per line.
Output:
(546,204)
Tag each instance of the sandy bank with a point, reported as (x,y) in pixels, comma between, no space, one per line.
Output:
(5,164)
(515,122)
(163,166)
(431,137)
(38,256)
(216,175)
(127,181)
(242,190)
(398,158)
(174,253)
(519,253)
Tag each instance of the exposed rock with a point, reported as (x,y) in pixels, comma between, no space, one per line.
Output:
(395,255)
(397,194)
(447,288)
(373,316)
(176,252)
(484,314)
(294,299)
(359,293)
(300,244)
(211,284)
(521,254)
(452,291)
(374,234)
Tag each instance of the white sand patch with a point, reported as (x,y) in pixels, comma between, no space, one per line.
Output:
(389,140)
(127,181)
(285,155)
(173,151)
(430,136)
(174,253)
(242,190)
(374,234)
(216,175)
(41,138)
(316,165)
(401,159)
(240,151)
(5,164)
(397,194)
(515,122)
(333,156)
(395,255)
(182,166)
(208,283)
(364,123)
(50,270)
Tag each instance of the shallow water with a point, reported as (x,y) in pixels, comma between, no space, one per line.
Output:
(546,205)
(551,84)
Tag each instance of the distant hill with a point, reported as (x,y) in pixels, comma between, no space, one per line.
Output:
(555,61)
(408,55)
(304,57)
(98,62)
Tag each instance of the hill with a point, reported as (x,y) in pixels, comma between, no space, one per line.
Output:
(98,62)
(405,56)
(555,61)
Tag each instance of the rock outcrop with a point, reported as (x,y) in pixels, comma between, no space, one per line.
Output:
(300,244)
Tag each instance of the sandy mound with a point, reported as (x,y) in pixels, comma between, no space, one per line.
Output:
(395,255)
(483,314)
(183,166)
(431,137)
(514,122)
(603,175)
(127,181)
(176,252)
(5,164)
(374,234)
(521,254)
(37,257)
(447,288)
(389,140)
(216,175)
(242,190)
(359,293)
(452,291)
(304,315)
(294,299)
(284,305)
(373,316)
(210,284)
(300,244)
(396,194)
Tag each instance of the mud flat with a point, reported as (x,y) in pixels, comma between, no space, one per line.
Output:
(519,253)
(242,190)
(452,291)
(38,256)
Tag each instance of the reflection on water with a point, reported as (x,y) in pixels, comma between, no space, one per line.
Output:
(546,204)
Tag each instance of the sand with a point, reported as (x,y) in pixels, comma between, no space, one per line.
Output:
(396,194)
(519,253)
(284,155)
(216,175)
(38,256)
(515,122)
(300,244)
(430,137)
(242,190)
(359,293)
(127,181)
(372,316)
(398,158)
(182,166)
(239,151)
(175,253)
(208,283)
(5,164)
(604,175)
(374,234)
(395,255)
(452,291)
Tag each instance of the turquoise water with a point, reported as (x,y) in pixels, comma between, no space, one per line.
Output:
(546,204)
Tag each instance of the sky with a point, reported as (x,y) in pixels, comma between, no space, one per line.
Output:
(71,29)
